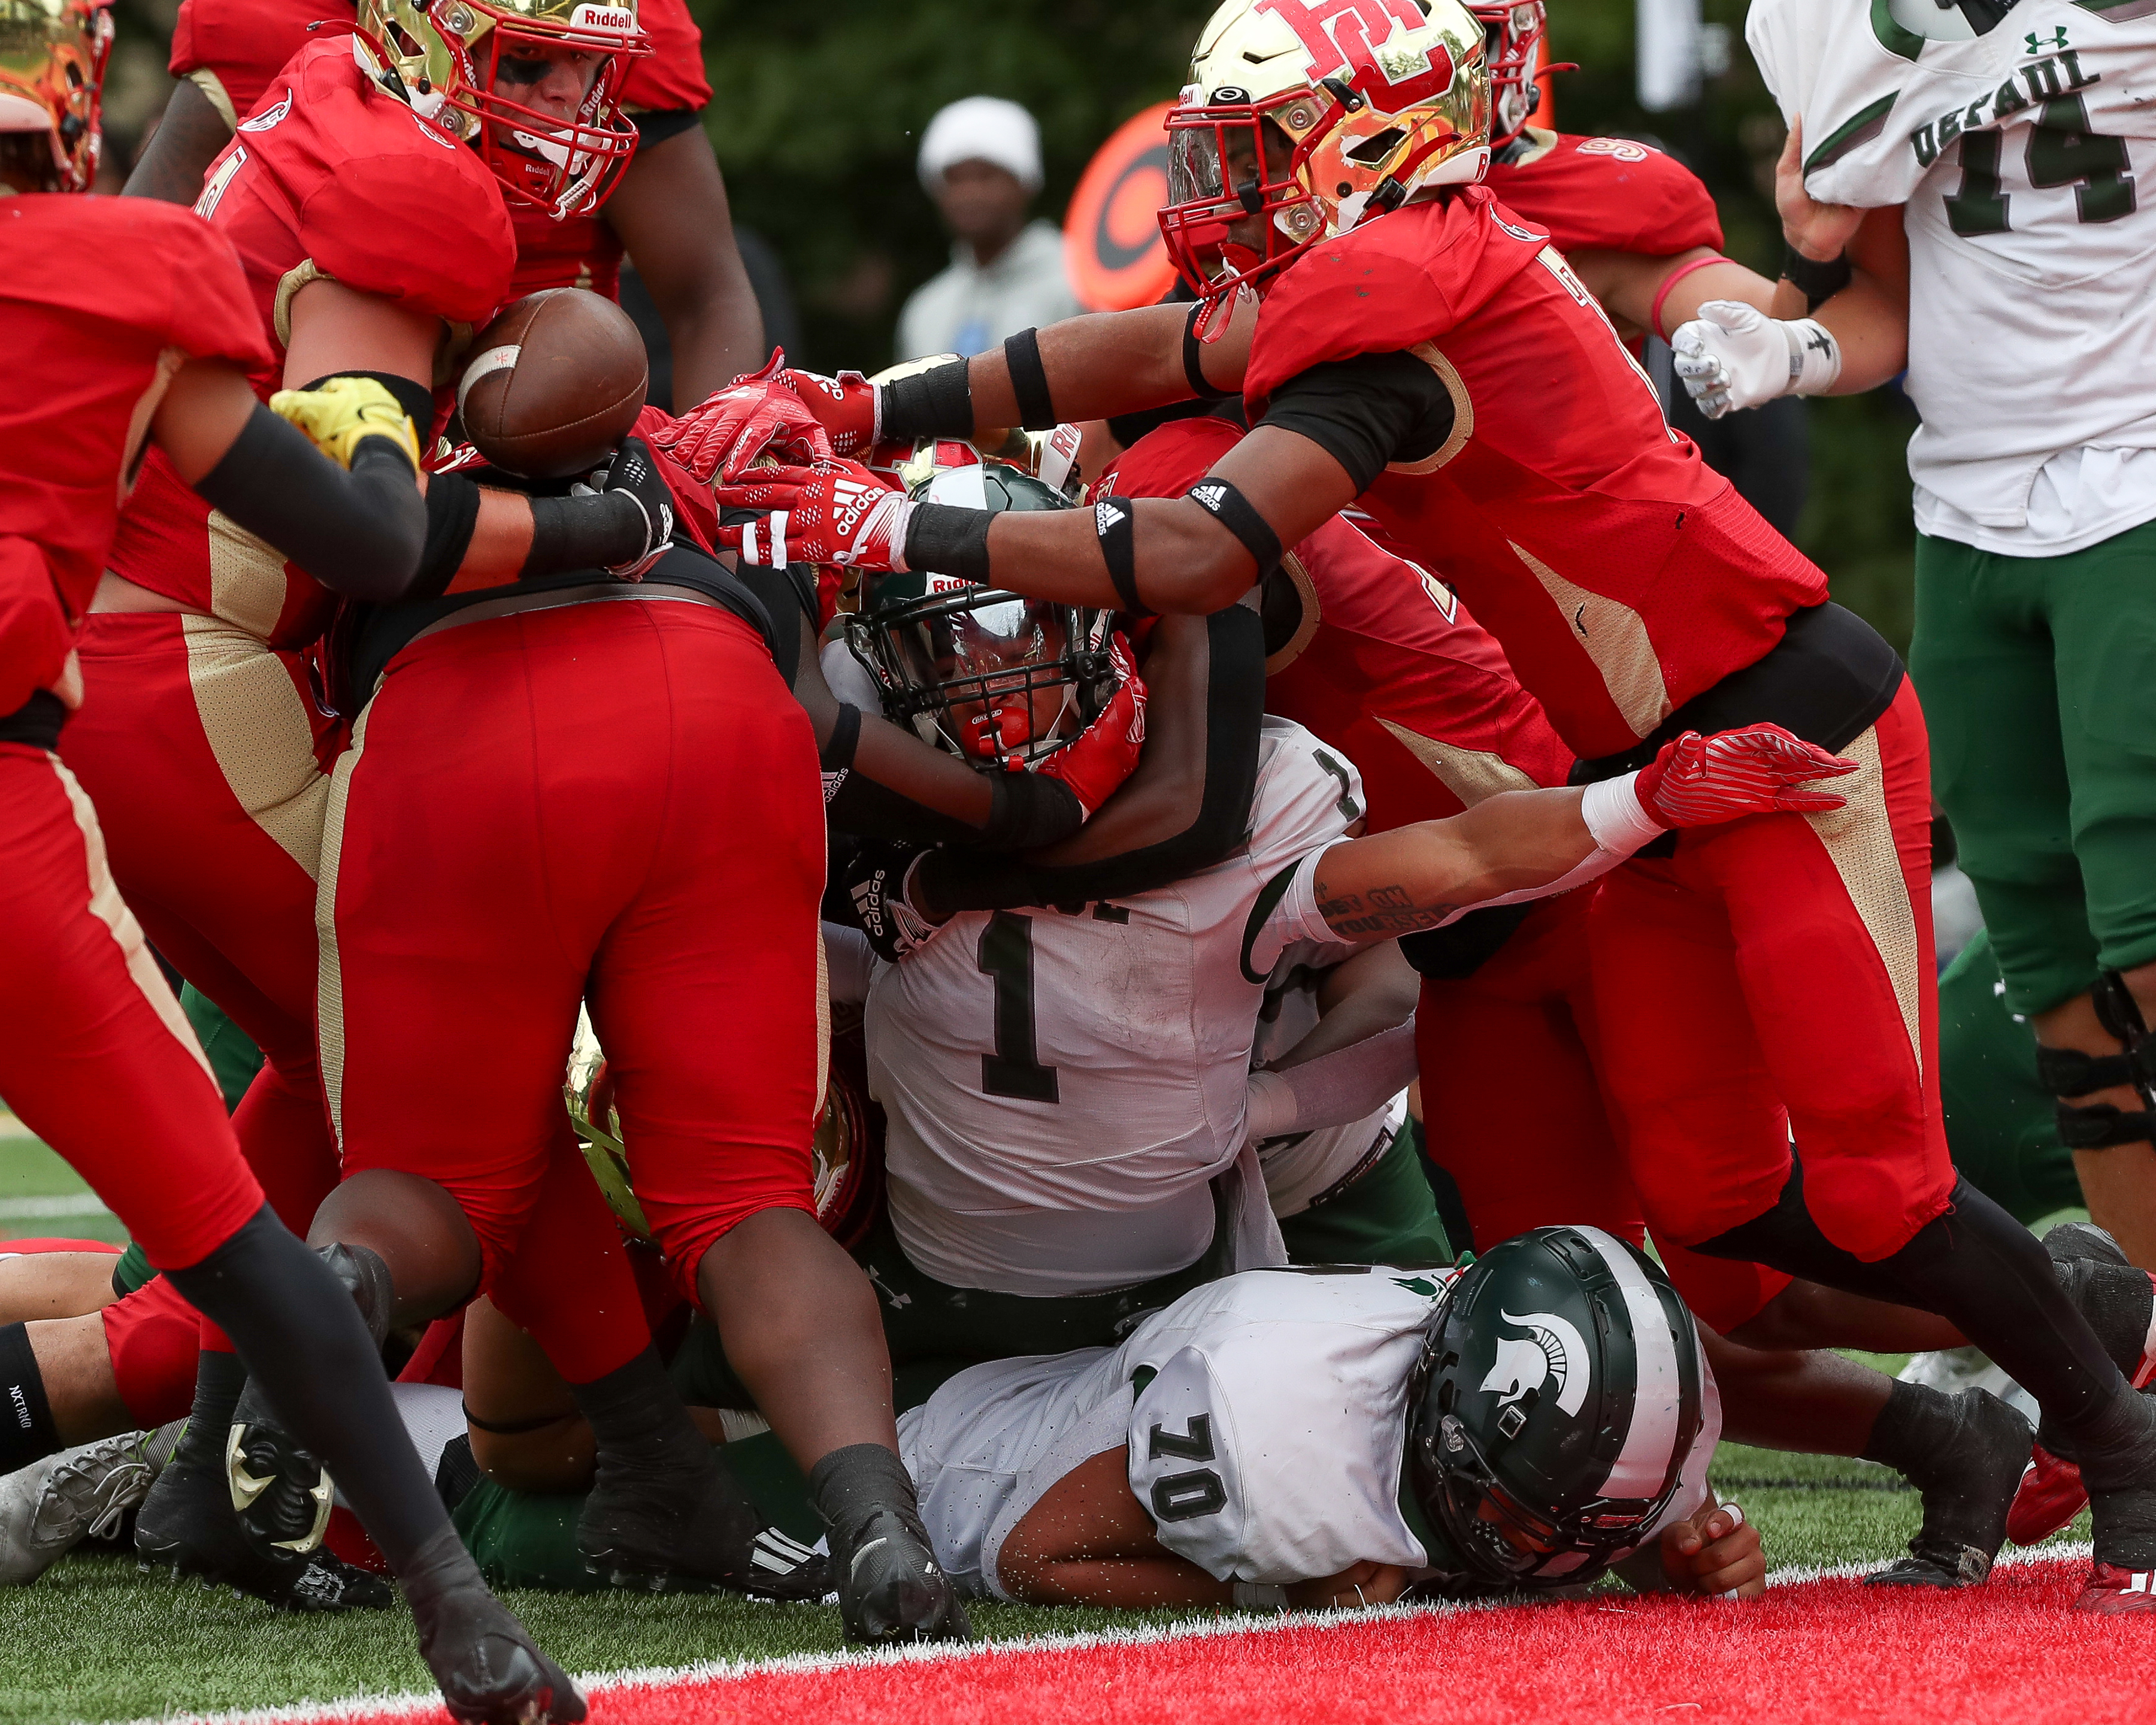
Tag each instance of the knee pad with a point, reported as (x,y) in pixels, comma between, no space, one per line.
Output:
(2068,1072)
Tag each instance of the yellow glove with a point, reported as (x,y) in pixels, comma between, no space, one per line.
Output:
(338,413)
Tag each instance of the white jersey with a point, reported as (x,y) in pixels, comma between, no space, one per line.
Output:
(1061,1087)
(1302,1168)
(2019,155)
(1265,1417)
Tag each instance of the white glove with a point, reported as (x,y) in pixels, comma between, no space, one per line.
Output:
(1734,355)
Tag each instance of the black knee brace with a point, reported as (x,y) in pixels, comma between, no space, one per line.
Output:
(2068,1072)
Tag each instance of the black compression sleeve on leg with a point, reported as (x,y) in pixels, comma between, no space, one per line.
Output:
(937,402)
(359,532)
(306,1348)
(570,533)
(1036,410)
(27,1433)
(1973,1266)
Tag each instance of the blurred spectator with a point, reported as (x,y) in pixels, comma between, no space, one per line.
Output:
(980,161)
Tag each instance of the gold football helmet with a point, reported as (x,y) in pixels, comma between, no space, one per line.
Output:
(451,59)
(1305,117)
(52,79)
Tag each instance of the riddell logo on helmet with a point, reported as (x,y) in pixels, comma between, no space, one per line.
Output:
(615,18)
(1344,37)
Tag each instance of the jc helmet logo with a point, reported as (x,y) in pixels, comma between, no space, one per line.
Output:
(1552,1353)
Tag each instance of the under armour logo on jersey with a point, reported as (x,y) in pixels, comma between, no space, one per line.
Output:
(1552,1350)
(2037,44)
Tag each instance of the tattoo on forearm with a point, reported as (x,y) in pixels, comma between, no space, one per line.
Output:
(1385,911)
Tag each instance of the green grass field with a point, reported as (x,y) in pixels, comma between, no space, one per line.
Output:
(96,1639)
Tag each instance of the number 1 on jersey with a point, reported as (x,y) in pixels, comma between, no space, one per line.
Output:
(1014,1069)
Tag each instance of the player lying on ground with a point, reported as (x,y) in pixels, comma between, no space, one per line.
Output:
(142,314)
(1335,1438)
(1382,337)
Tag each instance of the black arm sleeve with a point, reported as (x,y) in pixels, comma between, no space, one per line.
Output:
(583,533)
(359,532)
(1203,822)
(1366,411)
(881,781)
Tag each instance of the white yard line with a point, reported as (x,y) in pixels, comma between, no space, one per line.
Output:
(71,1203)
(935,1653)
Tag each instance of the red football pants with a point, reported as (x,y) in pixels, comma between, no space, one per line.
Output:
(199,747)
(1773,979)
(1513,1107)
(99,1061)
(616,800)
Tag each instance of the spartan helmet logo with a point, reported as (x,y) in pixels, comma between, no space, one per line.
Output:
(1551,1352)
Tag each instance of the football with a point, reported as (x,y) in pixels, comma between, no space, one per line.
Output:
(556,382)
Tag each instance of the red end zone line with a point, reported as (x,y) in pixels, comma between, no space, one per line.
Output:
(1820,1648)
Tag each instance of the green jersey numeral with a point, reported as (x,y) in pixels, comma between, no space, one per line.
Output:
(2061,151)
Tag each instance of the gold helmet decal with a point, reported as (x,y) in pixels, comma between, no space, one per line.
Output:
(1305,117)
(52,81)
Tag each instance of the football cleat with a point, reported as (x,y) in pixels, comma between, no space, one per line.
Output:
(2052,1493)
(659,1531)
(490,1670)
(1967,1484)
(51,1507)
(891,1587)
(280,1494)
(188,1525)
(2113,1591)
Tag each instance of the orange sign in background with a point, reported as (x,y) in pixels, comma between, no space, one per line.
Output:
(1112,242)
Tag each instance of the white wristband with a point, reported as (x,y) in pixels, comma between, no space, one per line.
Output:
(1260,1596)
(1616,819)
(1815,357)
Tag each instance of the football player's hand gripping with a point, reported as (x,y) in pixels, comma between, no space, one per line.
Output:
(1716,1552)
(635,477)
(758,416)
(1103,754)
(1734,355)
(835,512)
(1527,845)
(843,406)
(338,414)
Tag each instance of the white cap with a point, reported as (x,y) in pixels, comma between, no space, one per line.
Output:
(981,129)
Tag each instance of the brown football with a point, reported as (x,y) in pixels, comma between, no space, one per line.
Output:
(554,384)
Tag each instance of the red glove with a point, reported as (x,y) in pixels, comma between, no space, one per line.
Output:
(1106,751)
(1696,781)
(834,512)
(759,414)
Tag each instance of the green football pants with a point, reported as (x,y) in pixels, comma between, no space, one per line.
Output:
(2038,676)
(2000,1129)
(1386,1216)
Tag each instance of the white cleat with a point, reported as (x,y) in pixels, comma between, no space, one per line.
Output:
(51,1507)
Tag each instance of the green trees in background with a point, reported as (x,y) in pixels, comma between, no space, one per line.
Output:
(819,112)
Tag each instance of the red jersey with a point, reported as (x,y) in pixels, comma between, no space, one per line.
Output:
(104,298)
(1606,194)
(234,50)
(334,177)
(1620,573)
(1386,666)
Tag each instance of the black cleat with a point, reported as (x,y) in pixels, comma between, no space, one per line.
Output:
(187,1526)
(281,1495)
(1968,1484)
(2070,1241)
(661,1530)
(891,1587)
(490,1670)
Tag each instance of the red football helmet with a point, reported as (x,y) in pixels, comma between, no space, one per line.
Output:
(1513,30)
(52,81)
(451,59)
(1314,115)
